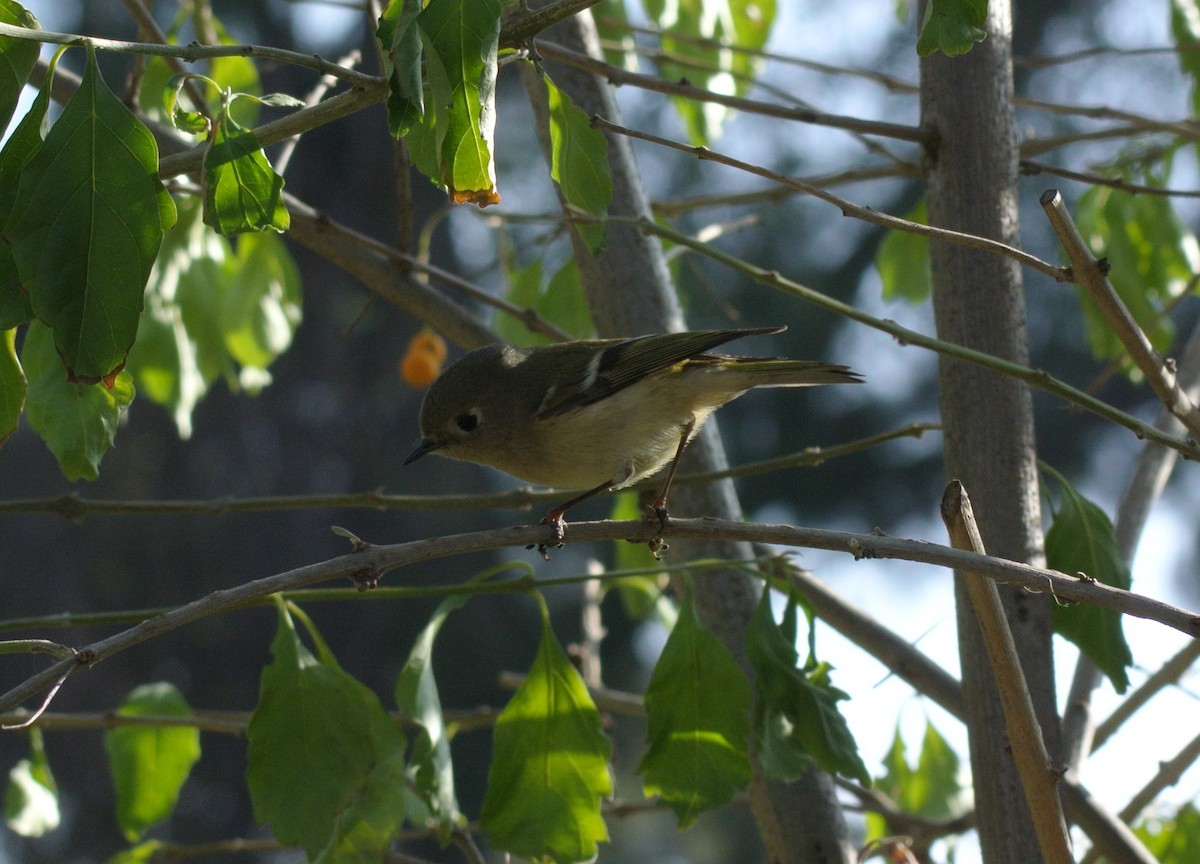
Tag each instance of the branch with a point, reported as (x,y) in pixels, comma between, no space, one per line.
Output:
(685,90)
(1038,378)
(523,26)
(366,566)
(195,51)
(1024,733)
(1090,275)
(1167,674)
(848,208)
(75,508)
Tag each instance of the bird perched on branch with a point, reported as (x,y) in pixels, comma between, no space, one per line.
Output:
(596,414)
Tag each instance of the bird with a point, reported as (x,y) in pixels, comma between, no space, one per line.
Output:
(596,414)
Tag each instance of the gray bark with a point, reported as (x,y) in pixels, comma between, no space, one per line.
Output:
(971,185)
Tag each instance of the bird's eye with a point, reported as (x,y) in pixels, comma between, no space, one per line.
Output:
(467,422)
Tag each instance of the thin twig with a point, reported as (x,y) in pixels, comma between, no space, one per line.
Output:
(1166,675)
(195,51)
(75,507)
(1090,275)
(848,208)
(685,90)
(1038,378)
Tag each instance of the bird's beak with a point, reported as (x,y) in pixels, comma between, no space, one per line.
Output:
(423,446)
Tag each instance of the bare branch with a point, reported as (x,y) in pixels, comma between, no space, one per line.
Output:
(1090,275)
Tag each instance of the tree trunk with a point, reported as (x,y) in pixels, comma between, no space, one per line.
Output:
(971,172)
(629,292)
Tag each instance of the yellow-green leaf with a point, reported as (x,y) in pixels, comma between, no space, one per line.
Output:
(549,767)
(149,764)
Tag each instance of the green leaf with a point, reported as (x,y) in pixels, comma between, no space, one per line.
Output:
(932,788)
(461,43)
(17,58)
(400,46)
(431,770)
(697,756)
(796,721)
(1174,840)
(176,114)
(77,421)
(12,385)
(241,191)
(695,32)
(142,853)
(149,764)
(903,261)
(1185,27)
(561,302)
(31,799)
(262,307)
(579,164)
(952,26)
(89,218)
(550,764)
(181,348)
(1081,540)
(364,831)
(24,142)
(322,754)
(1150,256)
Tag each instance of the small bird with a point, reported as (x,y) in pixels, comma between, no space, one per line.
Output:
(596,414)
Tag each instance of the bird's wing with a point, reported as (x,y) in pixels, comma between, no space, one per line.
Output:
(626,361)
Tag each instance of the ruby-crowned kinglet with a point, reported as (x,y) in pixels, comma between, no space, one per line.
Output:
(596,414)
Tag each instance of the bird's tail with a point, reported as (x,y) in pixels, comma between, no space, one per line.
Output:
(773,372)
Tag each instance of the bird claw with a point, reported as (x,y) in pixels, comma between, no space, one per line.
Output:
(656,517)
(559,528)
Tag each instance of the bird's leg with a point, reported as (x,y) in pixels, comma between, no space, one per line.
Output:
(658,507)
(555,518)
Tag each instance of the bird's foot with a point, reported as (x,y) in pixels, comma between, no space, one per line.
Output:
(656,517)
(559,528)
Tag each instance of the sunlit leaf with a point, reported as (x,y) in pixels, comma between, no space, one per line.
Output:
(932,787)
(694,35)
(1151,255)
(1185,27)
(461,43)
(241,191)
(549,767)
(12,384)
(92,214)
(1081,540)
(179,116)
(903,261)
(1174,839)
(262,306)
(180,349)
(31,798)
(952,26)
(796,720)
(579,163)
(697,756)
(430,771)
(149,764)
(77,421)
